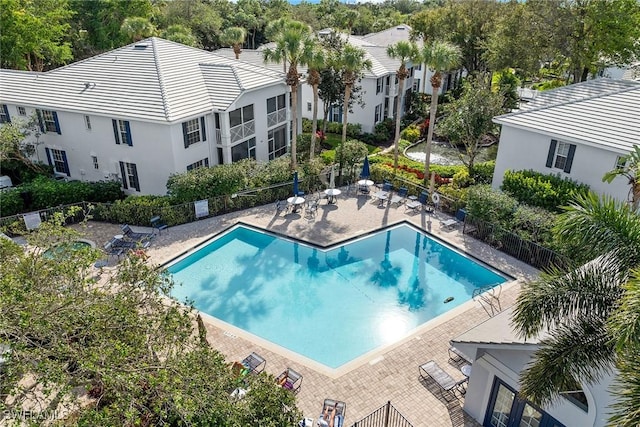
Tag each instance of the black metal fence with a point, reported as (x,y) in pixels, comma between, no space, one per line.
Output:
(512,244)
(16,223)
(385,416)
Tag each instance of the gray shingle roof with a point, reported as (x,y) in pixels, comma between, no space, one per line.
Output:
(495,330)
(611,119)
(391,36)
(153,79)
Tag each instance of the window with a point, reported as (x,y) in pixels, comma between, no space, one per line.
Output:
(220,156)
(94,159)
(560,155)
(48,121)
(242,123)
(193,131)
(58,159)
(122,132)
(576,395)
(419,67)
(416,85)
(87,122)
(204,163)
(22,111)
(379,85)
(4,114)
(277,110)
(378,114)
(277,142)
(308,106)
(129,173)
(621,162)
(244,150)
(335,114)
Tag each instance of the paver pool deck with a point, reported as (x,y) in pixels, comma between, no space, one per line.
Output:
(390,374)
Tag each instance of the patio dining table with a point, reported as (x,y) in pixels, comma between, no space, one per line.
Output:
(381,196)
(331,194)
(295,202)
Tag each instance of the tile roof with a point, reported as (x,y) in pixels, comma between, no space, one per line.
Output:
(153,79)
(603,114)
(390,36)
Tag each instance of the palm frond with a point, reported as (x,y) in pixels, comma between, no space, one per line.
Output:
(624,324)
(626,387)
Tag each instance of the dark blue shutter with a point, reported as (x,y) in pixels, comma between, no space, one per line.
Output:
(48,156)
(123,172)
(128,129)
(202,129)
(136,182)
(41,121)
(7,118)
(55,120)
(206,162)
(116,133)
(569,162)
(184,135)
(552,152)
(66,163)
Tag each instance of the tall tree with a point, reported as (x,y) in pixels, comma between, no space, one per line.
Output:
(33,33)
(234,37)
(135,355)
(439,56)
(588,314)
(630,169)
(180,34)
(469,119)
(293,45)
(405,52)
(352,62)
(316,61)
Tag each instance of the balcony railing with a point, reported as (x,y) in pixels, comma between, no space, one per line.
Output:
(276,117)
(242,131)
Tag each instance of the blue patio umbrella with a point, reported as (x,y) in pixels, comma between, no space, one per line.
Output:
(295,184)
(365,169)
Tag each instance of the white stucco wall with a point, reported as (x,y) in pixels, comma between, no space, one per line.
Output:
(507,365)
(521,149)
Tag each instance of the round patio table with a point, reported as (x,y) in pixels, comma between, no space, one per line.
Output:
(366,182)
(332,193)
(296,202)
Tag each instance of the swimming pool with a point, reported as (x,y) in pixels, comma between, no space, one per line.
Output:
(330,305)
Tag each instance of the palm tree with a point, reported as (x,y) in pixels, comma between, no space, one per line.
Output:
(405,52)
(439,56)
(589,315)
(316,61)
(137,28)
(352,61)
(293,45)
(234,37)
(630,170)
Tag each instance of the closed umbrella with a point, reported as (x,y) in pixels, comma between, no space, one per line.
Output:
(332,179)
(295,184)
(365,169)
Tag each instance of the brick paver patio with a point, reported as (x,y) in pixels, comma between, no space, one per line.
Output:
(390,374)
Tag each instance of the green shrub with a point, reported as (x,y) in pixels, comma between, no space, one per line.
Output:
(536,189)
(489,205)
(202,183)
(46,192)
(411,133)
(10,202)
(534,224)
(456,198)
(462,179)
(483,172)
(136,210)
(328,156)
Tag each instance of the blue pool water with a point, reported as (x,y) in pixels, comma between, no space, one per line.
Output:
(328,305)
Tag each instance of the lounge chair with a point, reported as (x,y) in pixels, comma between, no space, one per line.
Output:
(387,186)
(255,363)
(400,196)
(415,205)
(448,386)
(158,224)
(136,237)
(281,205)
(290,379)
(328,405)
(456,356)
(459,219)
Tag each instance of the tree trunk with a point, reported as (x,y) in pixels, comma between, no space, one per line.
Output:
(424,78)
(345,113)
(314,123)
(396,138)
(294,125)
(635,197)
(432,124)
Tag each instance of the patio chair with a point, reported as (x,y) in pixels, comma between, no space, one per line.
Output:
(281,205)
(448,386)
(255,363)
(456,356)
(459,219)
(387,186)
(135,236)
(290,380)
(400,196)
(415,205)
(327,407)
(311,209)
(158,224)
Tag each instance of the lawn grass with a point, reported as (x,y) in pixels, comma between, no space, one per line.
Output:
(334,139)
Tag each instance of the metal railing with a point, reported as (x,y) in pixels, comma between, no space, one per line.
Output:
(385,416)
(510,243)
(46,214)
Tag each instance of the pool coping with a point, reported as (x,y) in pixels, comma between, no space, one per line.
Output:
(373,356)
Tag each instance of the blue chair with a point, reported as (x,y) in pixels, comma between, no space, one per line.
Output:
(400,196)
(415,205)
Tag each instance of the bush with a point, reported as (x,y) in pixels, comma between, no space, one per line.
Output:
(10,202)
(536,189)
(202,183)
(411,133)
(136,210)
(489,205)
(483,172)
(462,179)
(535,224)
